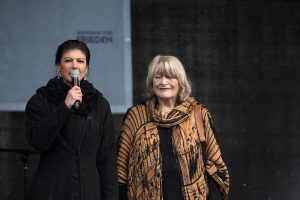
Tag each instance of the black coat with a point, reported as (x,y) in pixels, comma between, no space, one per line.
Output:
(78,150)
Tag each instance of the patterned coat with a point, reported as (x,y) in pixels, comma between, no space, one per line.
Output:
(139,160)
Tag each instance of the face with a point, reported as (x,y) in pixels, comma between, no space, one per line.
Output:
(165,88)
(73,59)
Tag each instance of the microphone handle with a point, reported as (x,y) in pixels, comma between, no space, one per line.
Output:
(76,104)
(75,81)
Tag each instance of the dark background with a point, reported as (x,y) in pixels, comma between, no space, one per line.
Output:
(242,58)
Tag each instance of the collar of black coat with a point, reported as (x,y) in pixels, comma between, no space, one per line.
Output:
(56,91)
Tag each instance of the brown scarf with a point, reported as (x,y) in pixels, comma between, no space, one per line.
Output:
(179,113)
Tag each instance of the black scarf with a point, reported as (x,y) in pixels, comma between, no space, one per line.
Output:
(56,91)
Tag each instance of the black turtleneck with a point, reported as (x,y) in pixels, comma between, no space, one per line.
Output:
(171,182)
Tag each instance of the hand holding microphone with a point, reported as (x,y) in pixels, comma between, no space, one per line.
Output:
(74,96)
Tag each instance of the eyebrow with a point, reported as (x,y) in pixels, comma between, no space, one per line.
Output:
(74,58)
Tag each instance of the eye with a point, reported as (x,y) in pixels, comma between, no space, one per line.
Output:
(81,61)
(67,60)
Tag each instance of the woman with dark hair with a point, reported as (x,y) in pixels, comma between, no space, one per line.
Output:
(77,145)
(161,153)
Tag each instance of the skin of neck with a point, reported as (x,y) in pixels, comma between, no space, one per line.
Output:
(166,105)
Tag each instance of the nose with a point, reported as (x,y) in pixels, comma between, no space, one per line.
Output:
(163,80)
(74,64)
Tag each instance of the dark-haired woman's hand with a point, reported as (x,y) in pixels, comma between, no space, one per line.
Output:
(73,95)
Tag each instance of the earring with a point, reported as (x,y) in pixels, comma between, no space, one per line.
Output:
(59,75)
(85,76)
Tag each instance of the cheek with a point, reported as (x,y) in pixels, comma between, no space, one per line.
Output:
(154,83)
(176,85)
(177,90)
(63,67)
(83,71)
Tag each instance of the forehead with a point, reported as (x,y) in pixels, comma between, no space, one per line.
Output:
(164,69)
(76,53)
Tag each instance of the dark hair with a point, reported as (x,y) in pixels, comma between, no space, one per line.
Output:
(69,45)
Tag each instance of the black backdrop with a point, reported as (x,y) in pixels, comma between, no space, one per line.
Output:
(243,60)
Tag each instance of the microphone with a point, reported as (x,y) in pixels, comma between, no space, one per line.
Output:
(75,81)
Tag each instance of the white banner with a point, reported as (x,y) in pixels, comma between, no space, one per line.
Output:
(31,31)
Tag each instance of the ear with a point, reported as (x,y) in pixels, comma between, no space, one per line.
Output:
(58,67)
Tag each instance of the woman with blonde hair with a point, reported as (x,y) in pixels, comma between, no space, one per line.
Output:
(161,153)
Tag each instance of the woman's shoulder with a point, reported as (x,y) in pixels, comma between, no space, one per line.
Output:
(136,110)
(204,109)
(137,107)
(101,99)
(103,105)
(36,97)
(36,103)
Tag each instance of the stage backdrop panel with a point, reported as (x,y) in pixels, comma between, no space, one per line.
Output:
(31,30)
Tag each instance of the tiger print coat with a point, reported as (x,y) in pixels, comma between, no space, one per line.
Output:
(139,160)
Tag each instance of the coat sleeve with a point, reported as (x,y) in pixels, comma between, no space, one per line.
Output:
(42,123)
(215,164)
(106,157)
(124,147)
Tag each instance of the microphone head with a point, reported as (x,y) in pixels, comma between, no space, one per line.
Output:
(75,73)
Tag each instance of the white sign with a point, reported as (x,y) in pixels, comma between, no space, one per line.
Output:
(31,31)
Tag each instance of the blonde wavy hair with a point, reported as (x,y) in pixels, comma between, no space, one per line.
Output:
(169,66)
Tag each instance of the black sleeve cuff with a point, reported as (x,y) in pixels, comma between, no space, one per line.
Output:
(123,192)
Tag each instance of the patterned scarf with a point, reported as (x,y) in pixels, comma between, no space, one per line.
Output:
(178,114)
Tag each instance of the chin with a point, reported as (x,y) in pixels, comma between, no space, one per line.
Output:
(164,97)
(68,82)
